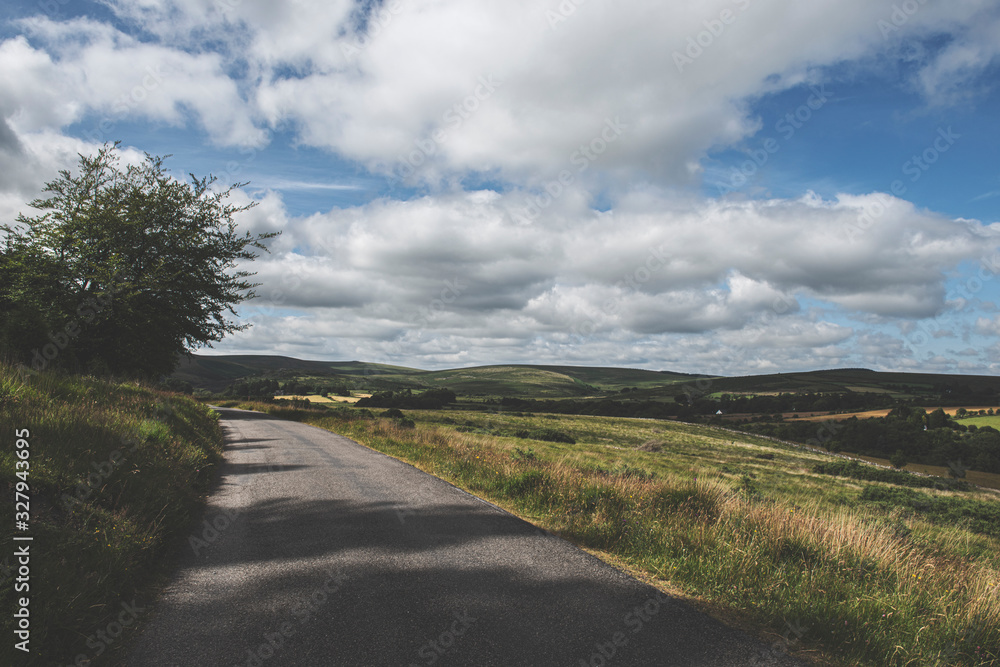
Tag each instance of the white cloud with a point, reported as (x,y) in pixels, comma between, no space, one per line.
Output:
(988,327)
(380,97)
(455,270)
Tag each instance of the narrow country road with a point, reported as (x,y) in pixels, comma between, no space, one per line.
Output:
(318,551)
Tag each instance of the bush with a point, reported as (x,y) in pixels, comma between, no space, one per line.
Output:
(977,516)
(898,460)
(870,473)
(552,435)
(524,454)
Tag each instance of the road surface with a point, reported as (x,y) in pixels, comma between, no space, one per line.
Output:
(315,550)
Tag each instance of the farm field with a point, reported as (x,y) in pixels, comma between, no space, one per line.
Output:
(989,420)
(867,414)
(984,479)
(316,398)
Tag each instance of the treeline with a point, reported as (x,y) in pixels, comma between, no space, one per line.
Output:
(432,399)
(604,407)
(931,439)
(691,406)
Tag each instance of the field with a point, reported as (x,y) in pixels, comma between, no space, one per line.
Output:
(865,573)
(868,414)
(984,479)
(316,398)
(990,420)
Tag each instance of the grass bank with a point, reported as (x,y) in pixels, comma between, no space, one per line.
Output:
(744,525)
(115,473)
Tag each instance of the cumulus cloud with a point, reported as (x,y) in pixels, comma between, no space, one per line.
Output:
(499,88)
(457,268)
(988,327)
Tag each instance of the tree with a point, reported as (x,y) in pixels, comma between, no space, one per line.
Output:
(937,419)
(133,267)
(898,460)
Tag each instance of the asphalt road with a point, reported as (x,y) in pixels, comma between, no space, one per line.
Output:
(318,551)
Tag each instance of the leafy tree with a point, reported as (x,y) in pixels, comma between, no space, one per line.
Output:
(937,419)
(898,460)
(123,269)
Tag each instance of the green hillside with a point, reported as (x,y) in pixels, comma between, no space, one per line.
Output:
(857,380)
(562,382)
(216,372)
(508,381)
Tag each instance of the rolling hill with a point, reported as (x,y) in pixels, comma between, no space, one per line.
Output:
(214,373)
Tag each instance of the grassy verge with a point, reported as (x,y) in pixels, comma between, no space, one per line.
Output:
(745,526)
(116,472)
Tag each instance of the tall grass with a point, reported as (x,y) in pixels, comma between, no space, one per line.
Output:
(116,473)
(851,580)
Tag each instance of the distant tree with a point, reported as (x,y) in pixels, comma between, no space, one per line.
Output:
(124,268)
(956,469)
(898,460)
(937,419)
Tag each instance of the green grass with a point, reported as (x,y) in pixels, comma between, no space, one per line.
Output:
(741,524)
(989,420)
(974,515)
(116,473)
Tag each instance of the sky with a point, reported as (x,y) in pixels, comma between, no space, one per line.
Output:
(729,187)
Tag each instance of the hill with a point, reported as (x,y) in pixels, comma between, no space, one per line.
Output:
(524,381)
(214,373)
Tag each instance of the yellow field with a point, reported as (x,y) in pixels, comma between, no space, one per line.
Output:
(879,413)
(986,480)
(316,398)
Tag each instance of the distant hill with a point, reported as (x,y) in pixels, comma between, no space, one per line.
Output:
(547,381)
(216,372)
(858,380)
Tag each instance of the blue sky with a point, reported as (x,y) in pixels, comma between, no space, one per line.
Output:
(811,186)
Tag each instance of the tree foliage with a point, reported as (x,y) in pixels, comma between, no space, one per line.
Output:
(123,268)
